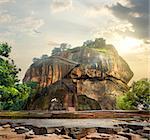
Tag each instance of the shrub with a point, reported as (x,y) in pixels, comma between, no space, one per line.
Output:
(138,97)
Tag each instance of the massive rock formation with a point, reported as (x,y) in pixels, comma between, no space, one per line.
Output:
(87,77)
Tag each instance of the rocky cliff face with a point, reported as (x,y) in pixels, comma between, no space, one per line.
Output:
(48,71)
(84,78)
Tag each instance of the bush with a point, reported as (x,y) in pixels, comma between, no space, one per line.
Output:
(138,97)
(14,98)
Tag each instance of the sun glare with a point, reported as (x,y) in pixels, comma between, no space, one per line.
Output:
(129,44)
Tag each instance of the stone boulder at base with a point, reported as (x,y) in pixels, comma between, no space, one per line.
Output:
(85,78)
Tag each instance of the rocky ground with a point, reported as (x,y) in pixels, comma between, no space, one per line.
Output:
(122,131)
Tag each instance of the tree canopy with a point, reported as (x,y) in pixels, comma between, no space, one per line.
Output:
(138,97)
(5,49)
(12,94)
(63,47)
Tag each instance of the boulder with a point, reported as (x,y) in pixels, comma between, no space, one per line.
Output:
(21,130)
(85,78)
(130,136)
(78,133)
(103,136)
(36,130)
(6,126)
(146,130)
(109,130)
(132,126)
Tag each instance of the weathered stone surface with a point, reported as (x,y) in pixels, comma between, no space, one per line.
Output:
(36,130)
(81,133)
(132,126)
(99,74)
(7,134)
(78,133)
(103,136)
(6,126)
(1,128)
(50,130)
(40,131)
(48,71)
(109,130)
(146,130)
(130,136)
(21,130)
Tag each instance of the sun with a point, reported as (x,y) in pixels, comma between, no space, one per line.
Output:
(128,44)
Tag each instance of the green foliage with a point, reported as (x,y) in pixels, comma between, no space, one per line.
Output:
(35,59)
(8,73)
(13,95)
(124,103)
(13,98)
(99,42)
(63,47)
(138,97)
(88,43)
(56,51)
(44,56)
(32,84)
(101,50)
(34,88)
(4,50)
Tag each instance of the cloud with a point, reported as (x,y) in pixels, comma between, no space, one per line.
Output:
(5,17)
(4,38)
(98,10)
(121,18)
(137,13)
(14,25)
(60,5)
(6,1)
(53,43)
(107,22)
(26,25)
(114,29)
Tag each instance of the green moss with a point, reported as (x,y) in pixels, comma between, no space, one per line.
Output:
(101,50)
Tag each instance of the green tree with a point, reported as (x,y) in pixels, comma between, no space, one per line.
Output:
(13,95)
(63,47)
(88,43)
(14,98)
(4,49)
(138,97)
(8,70)
(56,51)
(35,59)
(44,56)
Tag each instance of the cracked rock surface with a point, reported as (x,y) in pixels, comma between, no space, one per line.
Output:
(132,130)
(82,77)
